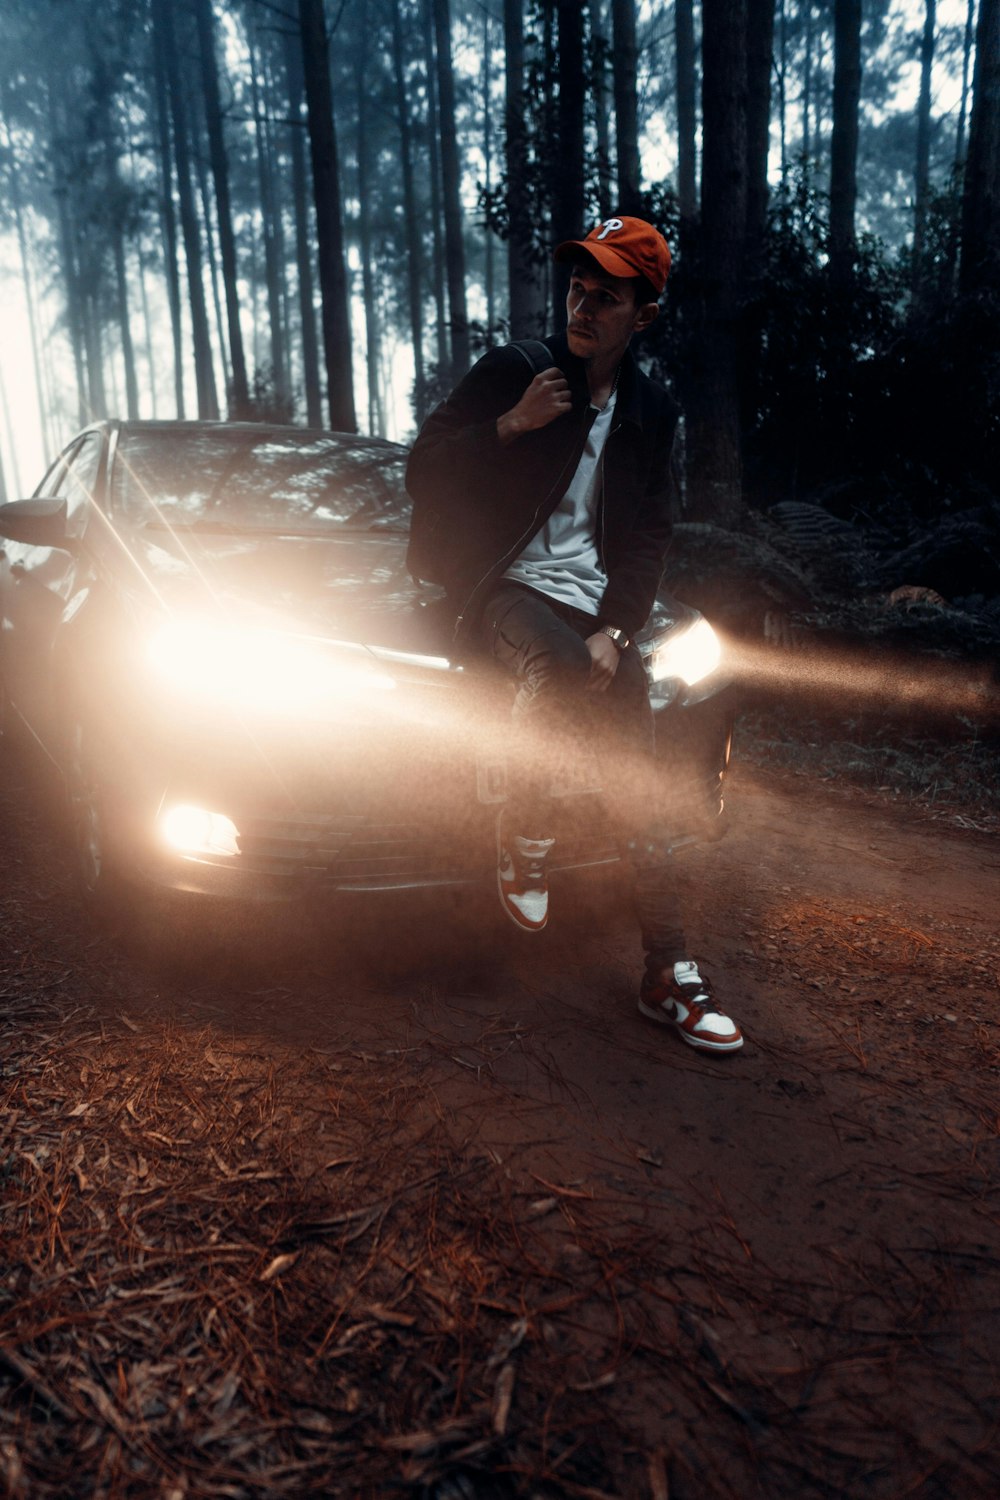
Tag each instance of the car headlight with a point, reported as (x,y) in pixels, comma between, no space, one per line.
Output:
(263,671)
(195,830)
(689,654)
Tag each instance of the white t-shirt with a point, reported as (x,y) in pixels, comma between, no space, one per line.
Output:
(561,560)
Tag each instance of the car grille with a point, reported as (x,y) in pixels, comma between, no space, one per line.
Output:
(366,853)
(361,854)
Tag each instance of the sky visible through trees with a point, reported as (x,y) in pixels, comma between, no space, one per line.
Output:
(322,212)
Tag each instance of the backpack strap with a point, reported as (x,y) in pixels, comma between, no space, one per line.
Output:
(538,355)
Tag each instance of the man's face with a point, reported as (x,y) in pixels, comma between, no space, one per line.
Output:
(602,314)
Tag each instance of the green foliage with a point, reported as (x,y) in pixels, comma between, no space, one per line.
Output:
(947,767)
(267,402)
(894,390)
(540,135)
(873,393)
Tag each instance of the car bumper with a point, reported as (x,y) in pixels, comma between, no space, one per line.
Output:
(360,811)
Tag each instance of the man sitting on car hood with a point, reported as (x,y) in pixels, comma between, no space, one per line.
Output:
(541,504)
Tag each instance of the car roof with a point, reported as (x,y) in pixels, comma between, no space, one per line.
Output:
(275,430)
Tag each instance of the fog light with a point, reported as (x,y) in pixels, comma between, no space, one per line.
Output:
(193,830)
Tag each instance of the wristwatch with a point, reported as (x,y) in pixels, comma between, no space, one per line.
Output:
(619,637)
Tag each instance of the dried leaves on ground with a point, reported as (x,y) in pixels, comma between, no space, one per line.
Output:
(241,1272)
(232,1265)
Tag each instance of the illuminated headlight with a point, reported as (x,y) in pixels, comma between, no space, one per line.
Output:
(194,830)
(260,670)
(689,654)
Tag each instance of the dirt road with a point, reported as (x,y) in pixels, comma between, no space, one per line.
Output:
(594,1261)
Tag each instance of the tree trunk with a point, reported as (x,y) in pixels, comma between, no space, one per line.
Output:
(72,270)
(140,260)
(255,314)
(93,344)
(526,308)
(687,124)
(74,295)
(451,178)
(567,221)
(326,192)
(783,90)
(599,75)
(980,261)
(4,497)
(434,165)
(807,83)
(303,259)
(714,458)
(274,105)
(89,246)
(270,213)
(199,159)
(626,109)
(147,326)
(124,323)
(8,429)
(239,394)
(414,240)
(760,58)
(27,273)
(844,142)
(948,270)
(208,406)
(376,419)
(963,108)
(921,176)
(197,144)
(169,221)
(488,268)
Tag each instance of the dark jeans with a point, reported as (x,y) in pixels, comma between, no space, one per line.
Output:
(542,643)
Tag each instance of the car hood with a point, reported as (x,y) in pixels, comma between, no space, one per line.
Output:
(344,588)
(348,588)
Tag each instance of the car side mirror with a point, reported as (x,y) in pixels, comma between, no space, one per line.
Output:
(40,522)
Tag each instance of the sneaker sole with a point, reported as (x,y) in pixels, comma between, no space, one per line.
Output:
(518,921)
(514,915)
(656,1014)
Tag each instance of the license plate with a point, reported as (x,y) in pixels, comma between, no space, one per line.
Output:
(579,777)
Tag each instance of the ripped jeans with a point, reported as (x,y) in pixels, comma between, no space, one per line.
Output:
(542,643)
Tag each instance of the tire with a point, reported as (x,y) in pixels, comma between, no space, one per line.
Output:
(95,871)
(6,720)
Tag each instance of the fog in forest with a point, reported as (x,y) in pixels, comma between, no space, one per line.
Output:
(323,214)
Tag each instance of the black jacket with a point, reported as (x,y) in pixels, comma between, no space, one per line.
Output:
(477,503)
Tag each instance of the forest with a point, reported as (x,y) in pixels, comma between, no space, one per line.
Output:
(322,213)
(366,1197)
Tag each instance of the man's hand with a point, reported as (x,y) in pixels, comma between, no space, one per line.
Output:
(604,659)
(546,398)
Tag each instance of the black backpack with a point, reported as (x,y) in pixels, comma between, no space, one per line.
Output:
(424,553)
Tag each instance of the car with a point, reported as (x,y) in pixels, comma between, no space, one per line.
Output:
(210,637)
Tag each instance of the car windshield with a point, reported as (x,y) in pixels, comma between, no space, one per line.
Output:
(235,479)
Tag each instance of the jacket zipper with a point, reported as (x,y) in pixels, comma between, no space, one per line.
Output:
(602,506)
(528,532)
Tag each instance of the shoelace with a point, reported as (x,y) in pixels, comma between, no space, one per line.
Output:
(529,866)
(699,996)
(697,991)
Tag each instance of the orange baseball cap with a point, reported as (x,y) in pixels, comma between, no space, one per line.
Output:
(623,247)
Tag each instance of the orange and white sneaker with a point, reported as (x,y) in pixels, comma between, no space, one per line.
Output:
(681,997)
(521,877)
